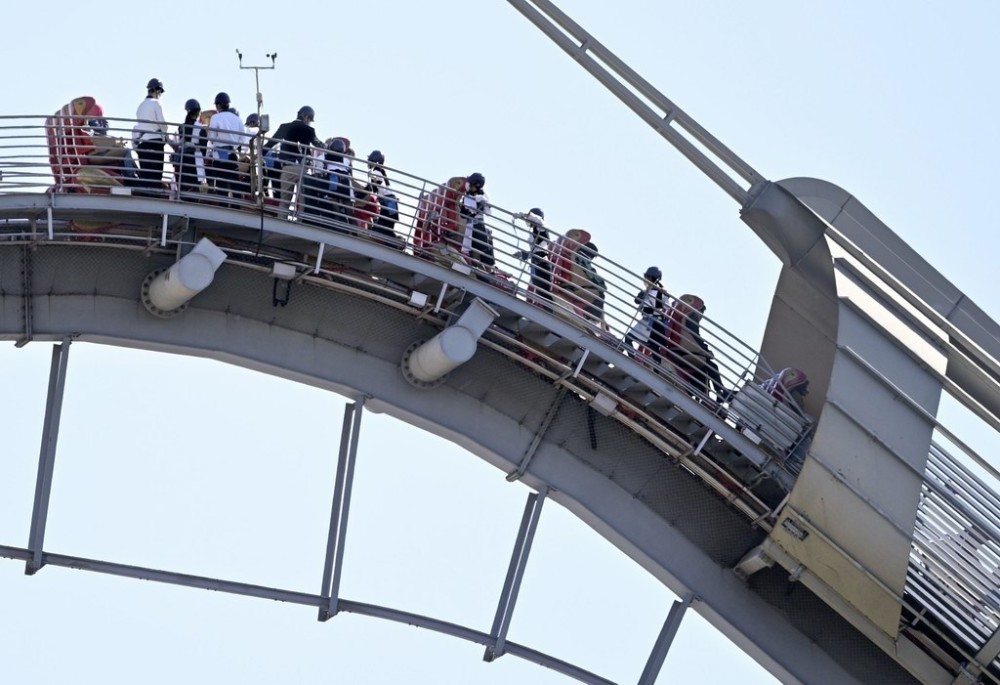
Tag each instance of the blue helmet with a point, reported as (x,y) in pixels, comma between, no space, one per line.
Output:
(653,274)
(192,105)
(536,211)
(476,179)
(155,84)
(376,157)
(306,111)
(222,99)
(338,145)
(253,120)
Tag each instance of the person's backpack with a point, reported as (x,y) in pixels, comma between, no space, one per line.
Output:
(390,208)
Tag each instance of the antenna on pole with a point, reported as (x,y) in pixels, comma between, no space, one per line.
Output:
(256,144)
(256,73)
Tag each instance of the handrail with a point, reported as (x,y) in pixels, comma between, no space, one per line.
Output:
(603,311)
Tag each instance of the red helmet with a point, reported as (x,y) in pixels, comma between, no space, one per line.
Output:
(794,380)
(693,302)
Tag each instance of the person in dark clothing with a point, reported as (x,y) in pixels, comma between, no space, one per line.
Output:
(477,242)
(537,254)
(192,140)
(688,351)
(294,137)
(650,330)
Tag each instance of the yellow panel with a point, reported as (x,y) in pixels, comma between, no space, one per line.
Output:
(840,525)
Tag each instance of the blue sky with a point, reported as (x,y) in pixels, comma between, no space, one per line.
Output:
(893,101)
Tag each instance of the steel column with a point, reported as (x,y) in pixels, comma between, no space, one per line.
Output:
(664,640)
(339,510)
(515,572)
(47,455)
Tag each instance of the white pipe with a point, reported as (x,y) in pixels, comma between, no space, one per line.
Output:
(446,351)
(452,347)
(194,272)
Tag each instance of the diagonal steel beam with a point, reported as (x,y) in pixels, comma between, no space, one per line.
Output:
(529,453)
(515,572)
(47,455)
(338,512)
(663,641)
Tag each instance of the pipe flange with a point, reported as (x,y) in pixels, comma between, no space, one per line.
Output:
(408,374)
(148,303)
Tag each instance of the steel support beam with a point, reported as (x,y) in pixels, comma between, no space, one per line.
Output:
(642,98)
(664,640)
(306,599)
(536,441)
(26,294)
(515,572)
(47,455)
(338,513)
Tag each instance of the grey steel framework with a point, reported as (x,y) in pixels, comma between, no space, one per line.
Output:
(715,495)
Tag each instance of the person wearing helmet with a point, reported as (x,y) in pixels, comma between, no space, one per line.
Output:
(688,351)
(149,138)
(477,242)
(190,144)
(650,331)
(376,162)
(538,255)
(388,203)
(790,385)
(593,290)
(293,138)
(340,189)
(226,139)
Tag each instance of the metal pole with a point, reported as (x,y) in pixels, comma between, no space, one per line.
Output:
(257,159)
(341,507)
(331,540)
(639,95)
(47,455)
(515,572)
(663,641)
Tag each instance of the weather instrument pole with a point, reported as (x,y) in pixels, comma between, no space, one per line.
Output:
(256,146)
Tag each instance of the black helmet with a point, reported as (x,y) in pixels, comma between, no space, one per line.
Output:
(253,120)
(653,274)
(155,84)
(192,105)
(537,211)
(376,157)
(99,125)
(337,145)
(222,99)
(306,111)
(476,179)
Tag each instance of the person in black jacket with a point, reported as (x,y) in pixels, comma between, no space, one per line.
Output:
(538,256)
(295,137)
(650,330)
(192,140)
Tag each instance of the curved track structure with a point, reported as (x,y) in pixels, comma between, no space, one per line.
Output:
(774,525)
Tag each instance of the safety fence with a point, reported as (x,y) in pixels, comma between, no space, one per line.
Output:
(952,582)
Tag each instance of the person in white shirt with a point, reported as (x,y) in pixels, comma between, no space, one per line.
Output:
(149,137)
(226,137)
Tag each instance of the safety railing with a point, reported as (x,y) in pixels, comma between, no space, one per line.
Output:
(953,580)
(952,583)
(566,274)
